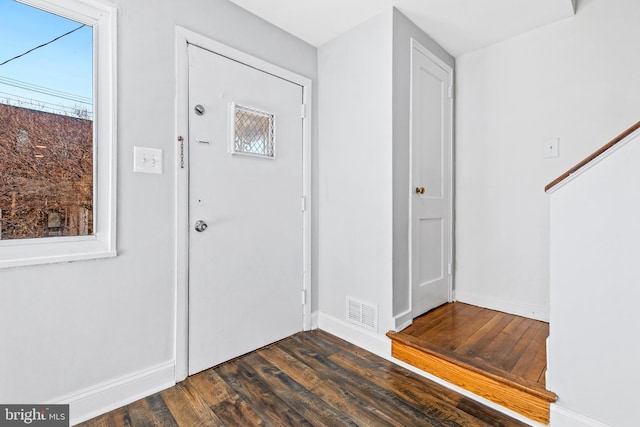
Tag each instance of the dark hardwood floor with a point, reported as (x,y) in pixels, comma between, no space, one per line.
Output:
(312,379)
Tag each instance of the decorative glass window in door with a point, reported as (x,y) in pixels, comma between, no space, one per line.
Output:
(252,131)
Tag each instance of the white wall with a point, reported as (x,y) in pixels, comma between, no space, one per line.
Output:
(355,171)
(593,348)
(577,80)
(364,101)
(70,331)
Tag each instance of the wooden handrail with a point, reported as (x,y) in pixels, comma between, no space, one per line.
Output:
(592,157)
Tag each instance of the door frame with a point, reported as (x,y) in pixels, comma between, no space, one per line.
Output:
(416,46)
(183,38)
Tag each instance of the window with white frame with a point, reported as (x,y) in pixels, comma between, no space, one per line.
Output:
(57,131)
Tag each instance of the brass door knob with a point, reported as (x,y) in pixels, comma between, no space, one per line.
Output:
(419,190)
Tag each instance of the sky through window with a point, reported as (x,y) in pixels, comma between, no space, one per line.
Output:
(57,77)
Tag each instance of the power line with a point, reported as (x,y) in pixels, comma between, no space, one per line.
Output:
(42,45)
(35,104)
(45,90)
(33,101)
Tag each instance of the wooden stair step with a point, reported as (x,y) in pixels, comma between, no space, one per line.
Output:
(517,394)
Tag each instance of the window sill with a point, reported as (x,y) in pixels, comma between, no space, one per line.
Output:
(54,250)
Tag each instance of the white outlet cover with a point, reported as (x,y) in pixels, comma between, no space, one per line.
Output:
(147,160)
(551,148)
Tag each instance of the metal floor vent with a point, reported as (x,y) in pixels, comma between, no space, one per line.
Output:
(362,314)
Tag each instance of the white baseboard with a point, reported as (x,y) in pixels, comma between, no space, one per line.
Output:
(368,340)
(105,397)
(532,311)
(563,417)
(403,320)
(314,320)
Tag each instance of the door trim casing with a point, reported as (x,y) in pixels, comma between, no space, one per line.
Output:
(183,38)
(416,46)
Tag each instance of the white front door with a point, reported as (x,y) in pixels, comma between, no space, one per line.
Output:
(431,154)
(246,222)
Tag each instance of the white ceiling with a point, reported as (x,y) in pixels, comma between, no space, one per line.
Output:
(459,26)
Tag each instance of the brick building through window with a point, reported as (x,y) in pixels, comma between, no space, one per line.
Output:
(46,174)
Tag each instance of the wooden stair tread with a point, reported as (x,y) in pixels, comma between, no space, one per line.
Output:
(476,365)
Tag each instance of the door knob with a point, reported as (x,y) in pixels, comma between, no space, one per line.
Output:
(419,190)
(200,226)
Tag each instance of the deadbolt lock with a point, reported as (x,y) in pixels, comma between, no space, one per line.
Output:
(199,109)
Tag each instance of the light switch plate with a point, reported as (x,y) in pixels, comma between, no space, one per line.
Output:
(551,148)
(147,160)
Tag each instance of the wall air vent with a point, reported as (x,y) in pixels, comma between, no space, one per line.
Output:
(362,314)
